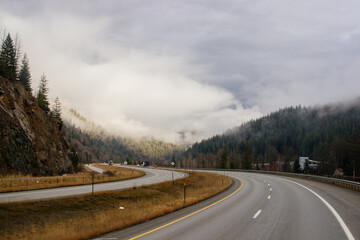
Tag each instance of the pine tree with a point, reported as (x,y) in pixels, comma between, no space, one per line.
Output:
(286,165)
(24,74)
(297,166)
(224,158)
(306,166)
(232,161)
(257,164)
(42,94)
(246,162)
(74,157)
(173,159)
(8,63)
(56,113)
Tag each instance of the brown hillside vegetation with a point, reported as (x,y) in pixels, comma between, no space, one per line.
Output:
(111,174)
(30,142)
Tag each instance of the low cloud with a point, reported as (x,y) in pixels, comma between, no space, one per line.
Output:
(183,71)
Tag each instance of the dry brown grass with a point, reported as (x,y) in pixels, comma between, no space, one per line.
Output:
(19,183)
(89,216)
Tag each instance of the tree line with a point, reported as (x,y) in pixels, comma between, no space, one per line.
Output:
(329,134)
(100,147)
(15,70)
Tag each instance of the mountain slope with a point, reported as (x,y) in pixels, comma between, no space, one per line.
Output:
(94,144)
(30,141)
(330,134)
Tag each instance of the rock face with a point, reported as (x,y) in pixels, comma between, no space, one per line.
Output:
(30,141)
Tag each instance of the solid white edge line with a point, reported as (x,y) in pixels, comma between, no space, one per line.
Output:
(332,210)
(257,214)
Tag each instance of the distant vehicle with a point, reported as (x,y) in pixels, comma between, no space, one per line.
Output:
(146,164)
(111,162)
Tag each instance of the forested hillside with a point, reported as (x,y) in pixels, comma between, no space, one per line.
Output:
(329,134)
(100,147)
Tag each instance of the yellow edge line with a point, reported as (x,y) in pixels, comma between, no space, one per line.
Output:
(191,214)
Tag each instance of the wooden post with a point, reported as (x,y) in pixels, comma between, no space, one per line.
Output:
(184,192)
(92,185)
(172,174)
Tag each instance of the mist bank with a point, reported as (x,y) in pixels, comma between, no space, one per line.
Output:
(329,134)
(93,143)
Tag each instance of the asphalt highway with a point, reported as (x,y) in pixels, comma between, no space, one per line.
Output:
(260,206)
(152,176)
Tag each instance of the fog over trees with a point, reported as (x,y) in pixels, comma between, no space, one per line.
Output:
(329,134)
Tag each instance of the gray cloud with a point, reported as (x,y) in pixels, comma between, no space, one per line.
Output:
(189,67)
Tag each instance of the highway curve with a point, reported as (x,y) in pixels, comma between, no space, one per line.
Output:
(152,176)
(260,206)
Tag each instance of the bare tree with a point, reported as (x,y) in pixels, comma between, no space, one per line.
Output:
(18,52)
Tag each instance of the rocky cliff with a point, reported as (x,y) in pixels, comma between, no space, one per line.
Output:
(30,141)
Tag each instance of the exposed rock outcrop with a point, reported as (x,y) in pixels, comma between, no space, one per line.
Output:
(30,141)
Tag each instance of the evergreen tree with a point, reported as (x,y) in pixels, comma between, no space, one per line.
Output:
(232,161)
(8,63)
(74,159)
(56,113)
(257,164)
(173,159)
(297,166)
(306,167)
(246,162)
(223,159)
(286,165)
(24,74)
(42,94)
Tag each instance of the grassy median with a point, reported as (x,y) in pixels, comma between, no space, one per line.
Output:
(20,183)
(89,216)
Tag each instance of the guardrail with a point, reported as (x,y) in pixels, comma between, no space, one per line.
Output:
(334,181)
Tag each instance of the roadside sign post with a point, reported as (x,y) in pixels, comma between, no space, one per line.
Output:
(92,185)
(184,192)
(172,173)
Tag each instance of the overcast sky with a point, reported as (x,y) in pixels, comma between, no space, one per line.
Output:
(188,68)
